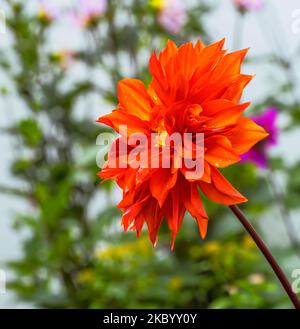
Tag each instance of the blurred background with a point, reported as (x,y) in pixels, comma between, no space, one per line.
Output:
(61,242)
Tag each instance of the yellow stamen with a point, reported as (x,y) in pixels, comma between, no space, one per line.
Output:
(162,135)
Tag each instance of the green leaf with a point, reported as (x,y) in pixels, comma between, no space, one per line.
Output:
(30,132)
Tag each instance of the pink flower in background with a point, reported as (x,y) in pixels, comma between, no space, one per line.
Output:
(172,16)
(64,58)
(48,11)
(89,11)
(259,153)
(249,5)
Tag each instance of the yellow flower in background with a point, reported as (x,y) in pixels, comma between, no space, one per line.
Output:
(172,14)
(158,4)
(212,247)
(47,11)
(44,17)
(124,251)
(86,276)
(63,57)
(248,242)
(176,283)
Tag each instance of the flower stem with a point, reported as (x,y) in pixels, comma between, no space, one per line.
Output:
(266,252)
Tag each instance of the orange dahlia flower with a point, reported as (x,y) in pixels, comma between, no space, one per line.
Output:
(194,89)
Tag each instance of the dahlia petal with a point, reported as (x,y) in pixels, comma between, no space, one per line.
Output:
(210,56)
(119,117)
(211,91)
(169,51)
(206,176)
(186,59)
(198,81)
(109,171)
(229,65)
(194,206)
(153,217)
(128,199)
(132,212)
(220,152)
(235,90)
(245,134)
(140,199)
(188,174)
(179,88)
(134,98)
(156,68)
(174,212)
(223,112)
(161,182)
(138,224)
(126,180)
(202,226)
(199,46)
(154,97)
(220,190)
(159,83)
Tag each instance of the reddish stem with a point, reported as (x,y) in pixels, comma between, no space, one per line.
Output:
(266,252)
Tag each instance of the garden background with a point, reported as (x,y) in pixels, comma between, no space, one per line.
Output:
(61,242)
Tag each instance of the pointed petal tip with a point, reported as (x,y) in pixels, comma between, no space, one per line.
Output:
(244,51)
(221,44)
(242,200)
(172,246)
(173,238)
(170,41)
(203,227)
(203,235)
(99,120)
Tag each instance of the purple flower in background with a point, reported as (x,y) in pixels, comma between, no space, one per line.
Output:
(259,153)
(249,5)
(89,11)
(172,16)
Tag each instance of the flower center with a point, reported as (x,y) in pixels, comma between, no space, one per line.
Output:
(161,134)
(193,112)
(194,117)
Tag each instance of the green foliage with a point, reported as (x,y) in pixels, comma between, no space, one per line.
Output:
(293,186)
(30,132)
